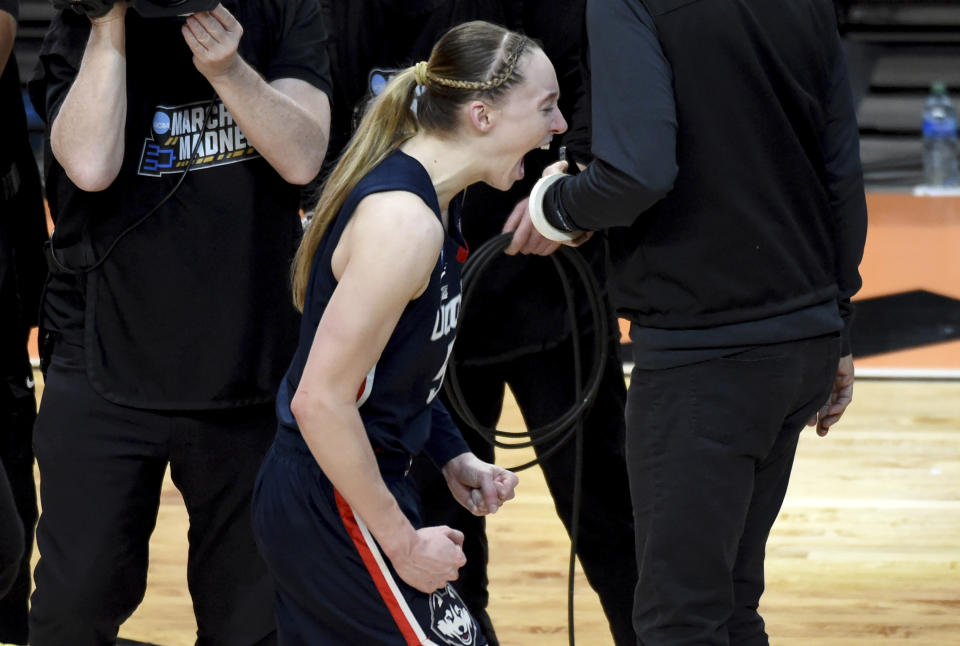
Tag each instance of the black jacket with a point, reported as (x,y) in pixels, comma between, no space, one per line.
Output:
(743,124)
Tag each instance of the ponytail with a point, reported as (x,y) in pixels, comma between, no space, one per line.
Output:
(472,60)
(387,123)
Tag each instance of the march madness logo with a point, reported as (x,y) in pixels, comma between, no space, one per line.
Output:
(450,620)
(179,130)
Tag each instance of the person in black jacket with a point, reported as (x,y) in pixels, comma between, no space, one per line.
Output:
(516,329)
(22,272)
(728,180)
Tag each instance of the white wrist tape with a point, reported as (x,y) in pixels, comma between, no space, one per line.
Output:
(539,220)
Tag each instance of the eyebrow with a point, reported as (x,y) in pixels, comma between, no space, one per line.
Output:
(553,96)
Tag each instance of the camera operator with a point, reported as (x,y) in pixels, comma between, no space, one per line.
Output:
(23,231)
(176,147)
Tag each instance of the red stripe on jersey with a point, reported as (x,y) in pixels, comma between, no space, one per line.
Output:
(350,522)
(462,253)
(366,387)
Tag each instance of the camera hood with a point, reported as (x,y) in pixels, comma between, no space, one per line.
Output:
(167,8)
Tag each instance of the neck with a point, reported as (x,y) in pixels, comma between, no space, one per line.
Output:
(451,169)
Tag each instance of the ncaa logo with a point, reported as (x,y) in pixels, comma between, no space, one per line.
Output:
(161,123)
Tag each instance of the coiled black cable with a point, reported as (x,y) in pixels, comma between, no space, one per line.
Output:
(561,429)
(570,423)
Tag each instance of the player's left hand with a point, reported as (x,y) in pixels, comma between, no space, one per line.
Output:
(213,37)
(479,486)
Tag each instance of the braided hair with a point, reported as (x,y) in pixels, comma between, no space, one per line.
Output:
(507,67)
(475,60)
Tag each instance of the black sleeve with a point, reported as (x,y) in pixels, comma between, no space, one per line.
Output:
(577,137)
(841,147)
(574,86)
(12,7)
(446,442)
(634,123)
(58,62)
(582,203)
(302,51)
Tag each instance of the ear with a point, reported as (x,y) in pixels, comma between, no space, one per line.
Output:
(481,115)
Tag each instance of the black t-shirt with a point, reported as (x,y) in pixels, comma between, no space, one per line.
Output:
(192,308)
(11,106)
(23,228)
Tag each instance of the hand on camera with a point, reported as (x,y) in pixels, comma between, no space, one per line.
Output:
(213,37)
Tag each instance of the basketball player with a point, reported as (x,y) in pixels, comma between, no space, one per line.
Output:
(377,277)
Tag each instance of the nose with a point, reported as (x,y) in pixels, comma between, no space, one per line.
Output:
(559,124)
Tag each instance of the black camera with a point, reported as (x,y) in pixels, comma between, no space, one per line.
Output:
(146,8)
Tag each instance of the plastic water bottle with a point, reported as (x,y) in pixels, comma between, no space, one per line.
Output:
(939,139)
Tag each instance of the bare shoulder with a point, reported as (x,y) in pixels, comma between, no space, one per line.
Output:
(393,240)
(394,218)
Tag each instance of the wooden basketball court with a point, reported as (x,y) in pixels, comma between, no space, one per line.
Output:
(866,550)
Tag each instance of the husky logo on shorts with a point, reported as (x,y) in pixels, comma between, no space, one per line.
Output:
(450,619)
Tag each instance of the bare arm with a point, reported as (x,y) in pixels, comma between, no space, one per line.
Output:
(287,120)
(87,134)
(383,260)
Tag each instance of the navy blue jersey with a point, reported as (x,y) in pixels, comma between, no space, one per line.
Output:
(397,398)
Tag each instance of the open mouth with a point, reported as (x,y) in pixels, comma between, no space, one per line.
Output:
(518,168)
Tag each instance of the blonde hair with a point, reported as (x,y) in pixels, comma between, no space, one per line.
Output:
(473,60)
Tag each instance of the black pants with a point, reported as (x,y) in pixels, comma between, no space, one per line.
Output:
(544,388)
(710,447)
(18,503)
(11,535)
(102,468)
(22,231)
(18,498)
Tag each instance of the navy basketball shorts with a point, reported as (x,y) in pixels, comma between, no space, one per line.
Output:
(333,585)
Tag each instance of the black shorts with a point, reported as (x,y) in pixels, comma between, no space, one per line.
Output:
(333,584)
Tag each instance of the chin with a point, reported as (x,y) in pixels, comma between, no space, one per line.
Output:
(501,183)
